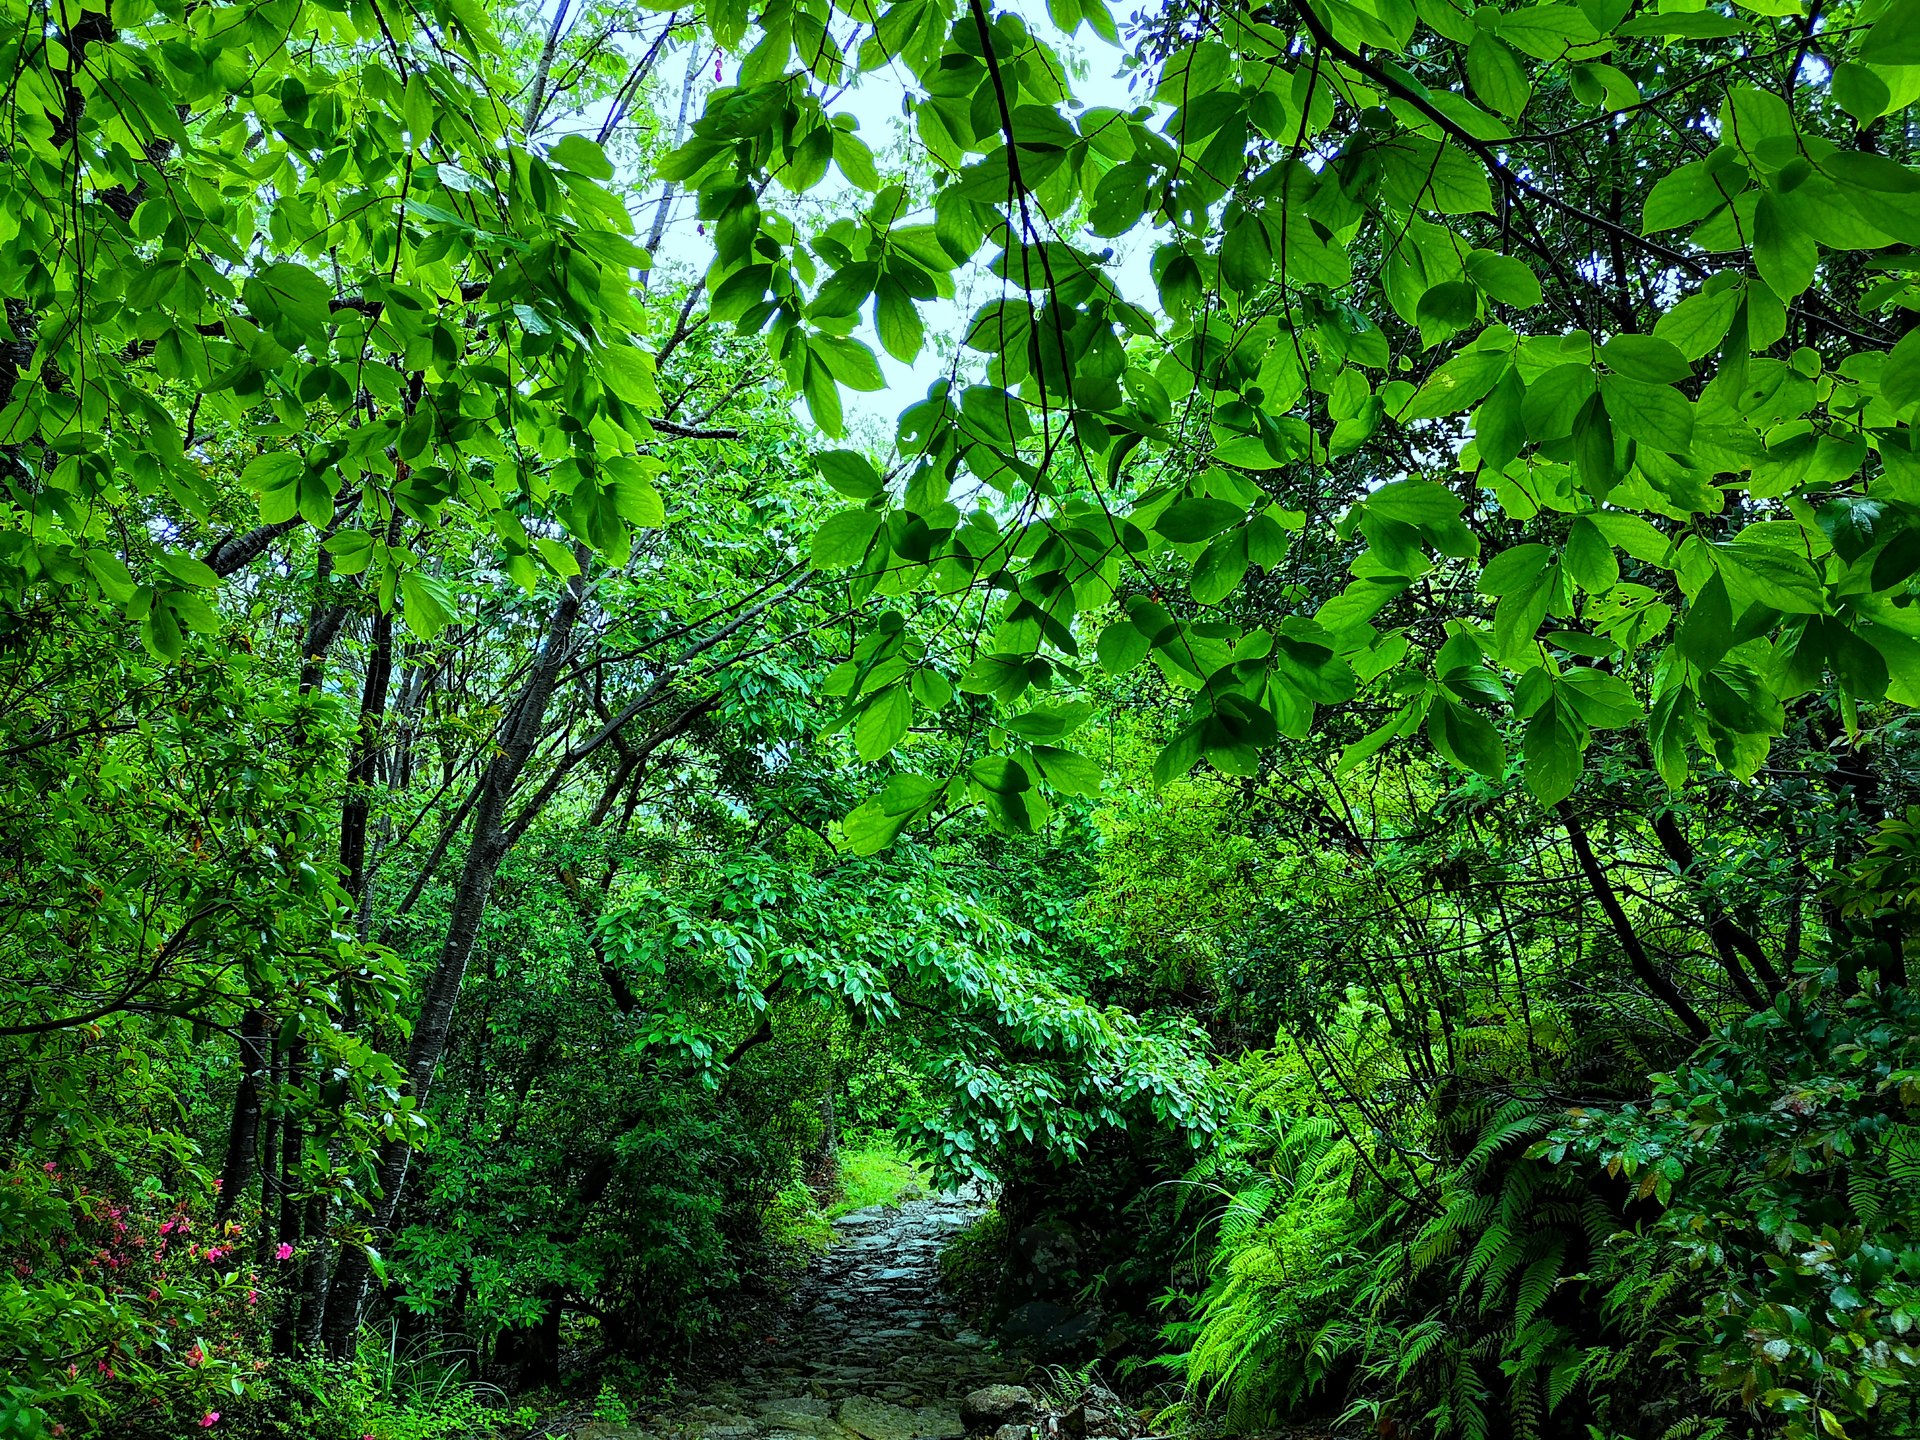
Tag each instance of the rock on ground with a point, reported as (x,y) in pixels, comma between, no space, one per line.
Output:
(992,1407)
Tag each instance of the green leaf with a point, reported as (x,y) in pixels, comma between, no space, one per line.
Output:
(1067,771)
(932,689)
(352,551)
(843,539)
(1553,750)
(1683,196)
(1497,76)
(822,395)
(1899,376)
(1121,647)
(1646,357)
(1705,632)
(1456,386)
(291,293)
(186,569)
(1783,252)
(1655,415)
(1546,32)
(425,604)
(1589,558)
(1503,278)
(1466,738)
(274,471)
(1602,700)
(1630,533)
(848,361)
(855,160)
(634,498)
(1773,576)
(314,499)
(1415,502)
(1189,521)
(1593,449)
(883,722)
(629,373)
(1429,174)
(582,157)
(849,472)
(1554,401)
(1898,562)
(1220,568)
(1515,569)
(1894,38)
(897,321)
(1696,326)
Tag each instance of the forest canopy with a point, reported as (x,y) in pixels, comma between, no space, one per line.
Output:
(1351,746)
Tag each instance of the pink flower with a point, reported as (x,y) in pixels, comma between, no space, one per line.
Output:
(214,1252)
(210,1419)
(285,1252)
(193,1357)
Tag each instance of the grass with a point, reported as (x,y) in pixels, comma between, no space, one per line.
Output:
(875,1171)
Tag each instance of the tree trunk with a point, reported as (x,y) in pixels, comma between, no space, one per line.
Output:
(346,1296)
(243,1130)
(1649,974)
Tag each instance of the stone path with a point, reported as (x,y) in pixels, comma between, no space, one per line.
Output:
(869,1350)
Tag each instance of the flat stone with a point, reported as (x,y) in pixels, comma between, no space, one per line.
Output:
(991,1407)
(778,1409)
(812,1420)
(939,1422)
(878,1419)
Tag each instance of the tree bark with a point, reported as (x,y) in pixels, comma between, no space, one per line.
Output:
(243,1130)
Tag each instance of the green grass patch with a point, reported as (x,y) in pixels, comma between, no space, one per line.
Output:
(874,1170)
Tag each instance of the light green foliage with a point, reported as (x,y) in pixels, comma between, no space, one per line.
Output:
(1607,405)
(872,1170)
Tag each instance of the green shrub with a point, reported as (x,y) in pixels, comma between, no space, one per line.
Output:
(972,1262)
(1779,1176)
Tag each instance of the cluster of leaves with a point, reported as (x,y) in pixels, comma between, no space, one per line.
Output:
(1656,475)
(120,1298)
(1784,1158)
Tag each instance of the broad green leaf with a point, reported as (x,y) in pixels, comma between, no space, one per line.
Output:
(1197,518)
(1770,575)
(843,539)
(1496,76)
(1656,415)
(1121,647)
(883,722)
(849,472)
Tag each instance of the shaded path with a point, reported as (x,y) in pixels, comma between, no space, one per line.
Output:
(869,1350)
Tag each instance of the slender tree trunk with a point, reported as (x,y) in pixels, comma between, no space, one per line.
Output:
(1730,940)
(292,1145)
(313,1279)
(243,1130)
(1649,973)
(270,1154)
(487,847)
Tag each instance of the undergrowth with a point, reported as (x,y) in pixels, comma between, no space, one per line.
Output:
(874,1170)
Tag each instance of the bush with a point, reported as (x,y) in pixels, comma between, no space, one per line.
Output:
(122,1308)
(1781,1170)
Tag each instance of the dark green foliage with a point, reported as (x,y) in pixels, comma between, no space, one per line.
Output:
(1781,1167)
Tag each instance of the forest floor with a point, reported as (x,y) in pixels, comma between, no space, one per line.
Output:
(869,1349)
